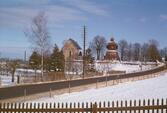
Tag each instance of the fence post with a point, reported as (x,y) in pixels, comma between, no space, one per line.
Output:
(69,87)
(148,104)
(135,106)
(153,105)
(94,109)
(0,105)
(0,81)
(130,111)
(50,93)
(162,103)
(166,104)
(106,80)
(96,84)
(25,93)
(139,105)
(113,106)
(157,105)
(122,106)
(144,105)
(126,104)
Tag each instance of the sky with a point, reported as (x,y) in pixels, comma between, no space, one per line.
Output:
(133,20)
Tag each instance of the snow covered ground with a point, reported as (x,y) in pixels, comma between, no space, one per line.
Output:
(101,67)
(26,72)
(144,89)
(6,80)
(128,68)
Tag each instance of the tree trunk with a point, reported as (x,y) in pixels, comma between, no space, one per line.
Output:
(98,54)
(12,77)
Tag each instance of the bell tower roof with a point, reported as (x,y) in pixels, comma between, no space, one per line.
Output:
(112,45)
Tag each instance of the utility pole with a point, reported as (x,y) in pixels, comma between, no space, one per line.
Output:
(25,55)
(42,60)
(84,45)
(25,63)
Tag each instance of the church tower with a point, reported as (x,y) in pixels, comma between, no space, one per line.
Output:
(112,51)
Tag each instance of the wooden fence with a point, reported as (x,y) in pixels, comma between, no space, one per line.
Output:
(144,106)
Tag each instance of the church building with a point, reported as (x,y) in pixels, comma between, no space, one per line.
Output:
(112,51)
(71,50)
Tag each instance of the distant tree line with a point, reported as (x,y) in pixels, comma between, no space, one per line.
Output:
(148,51)
(140,52)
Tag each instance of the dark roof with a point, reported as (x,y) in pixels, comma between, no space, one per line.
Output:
(75,43)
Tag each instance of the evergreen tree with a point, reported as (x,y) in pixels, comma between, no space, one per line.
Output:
(57,59)
(35,60)
(47,62)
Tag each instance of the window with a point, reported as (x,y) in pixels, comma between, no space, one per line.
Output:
(69,53)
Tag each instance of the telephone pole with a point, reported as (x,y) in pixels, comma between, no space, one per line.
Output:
(84,45)
(25,56)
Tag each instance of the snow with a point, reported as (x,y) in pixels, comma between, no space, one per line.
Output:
(100,66)
(6,80)
(26,72)
(143,89)
(121,66)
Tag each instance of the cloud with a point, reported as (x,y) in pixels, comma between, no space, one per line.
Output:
(60,13)
(163,16)
(22,16)
(90,7)
(18,13)
(16,17)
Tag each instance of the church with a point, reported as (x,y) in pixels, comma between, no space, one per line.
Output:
(71,50)
(112,51)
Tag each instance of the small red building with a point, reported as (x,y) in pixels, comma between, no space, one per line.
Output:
(112,51)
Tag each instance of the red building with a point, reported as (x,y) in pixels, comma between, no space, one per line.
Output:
(112,51)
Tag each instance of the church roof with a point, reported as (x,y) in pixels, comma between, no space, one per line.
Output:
(112,45)
(75,43)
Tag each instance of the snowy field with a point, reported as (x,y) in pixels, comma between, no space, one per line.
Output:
(6,80)
(143,89)
(101,67)
(125,66)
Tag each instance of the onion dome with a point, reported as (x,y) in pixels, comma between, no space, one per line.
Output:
(112,45)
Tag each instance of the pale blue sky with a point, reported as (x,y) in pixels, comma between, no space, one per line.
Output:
(133,20)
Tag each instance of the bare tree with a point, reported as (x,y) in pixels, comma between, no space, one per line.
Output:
(153,50)
(130,52)
(39,36)
(13,65)
(144,52)
(136,51)
(163,52)
(123,47)
(98,45)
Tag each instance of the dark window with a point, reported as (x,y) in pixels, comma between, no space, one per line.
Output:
(69,53)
